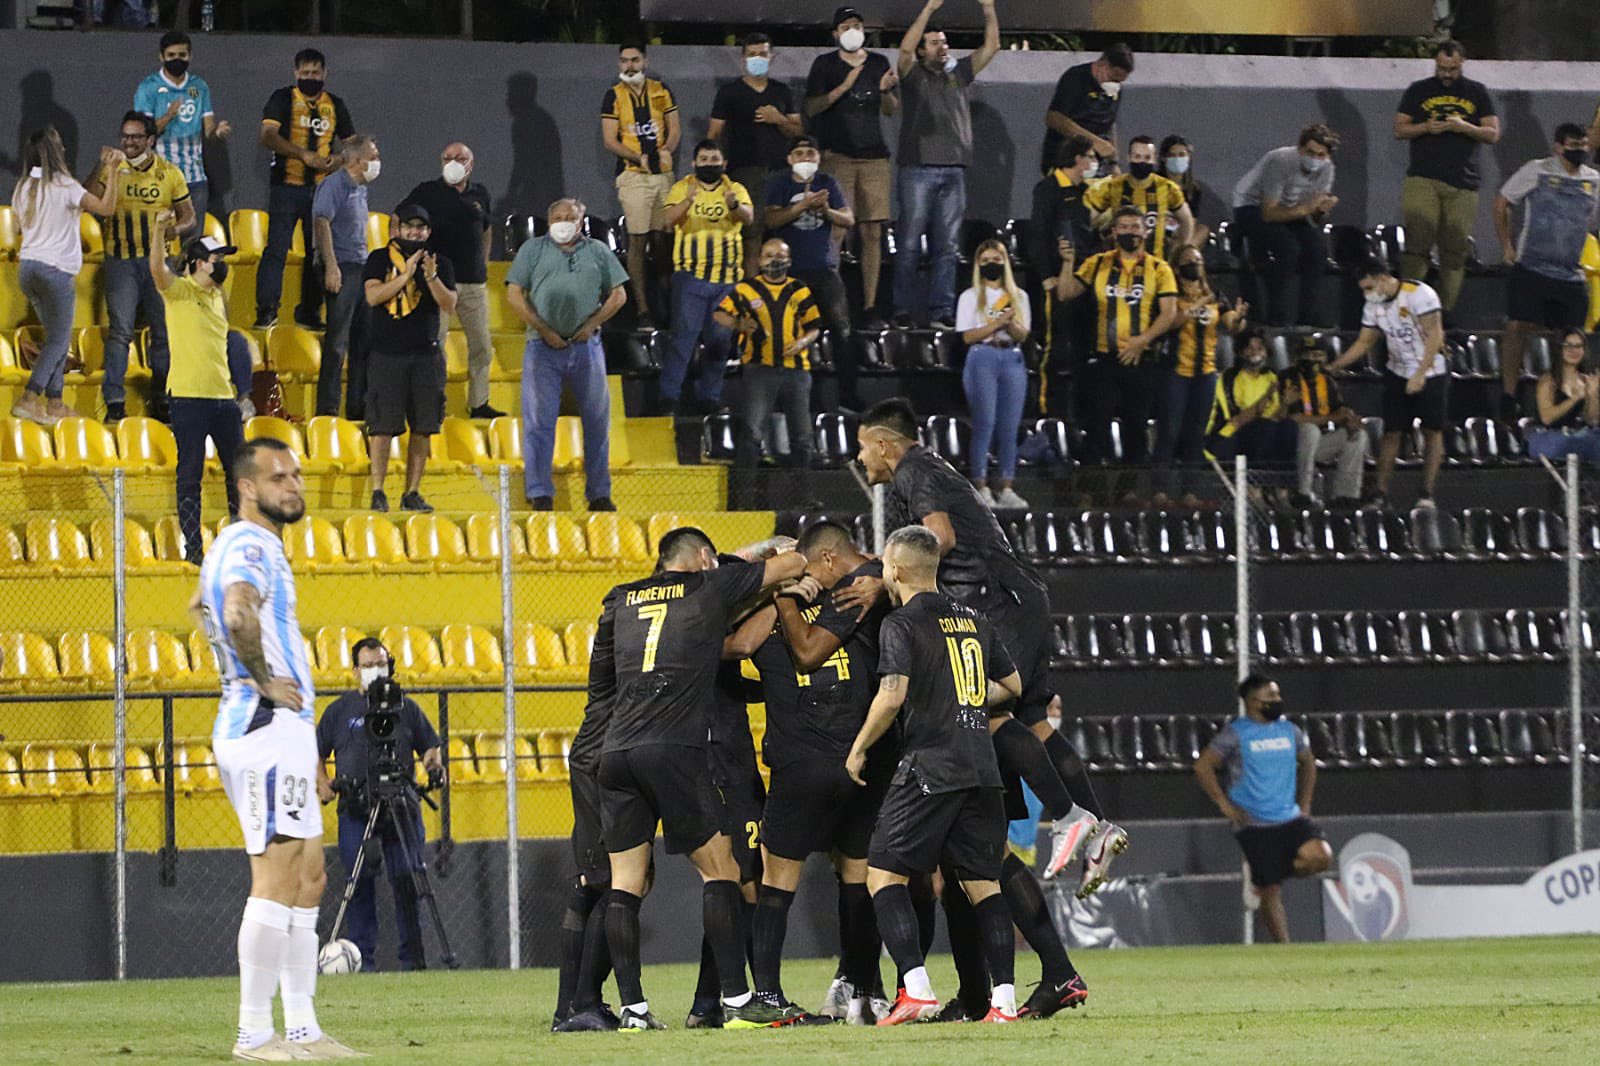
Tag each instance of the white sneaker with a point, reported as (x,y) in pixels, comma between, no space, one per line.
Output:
(276,1049)
(860,1012)
(836,1003)
(247,408)
(986,494)
(326,1047)
(1067,840)
(1097,870)
(880,1007)
(1009,500)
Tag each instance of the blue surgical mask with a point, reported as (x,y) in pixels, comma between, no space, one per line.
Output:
(1178,164)
(1314,164)
(757,66)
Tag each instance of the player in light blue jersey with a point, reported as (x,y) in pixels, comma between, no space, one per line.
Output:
(266,750)
(180,102)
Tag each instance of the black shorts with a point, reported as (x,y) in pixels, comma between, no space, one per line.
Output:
(405,390)
(1024,628)
(1431,405)
(1270,849)
(814,806)
(588,846)
(665,783)
(964,832)
(1546,302)
(742,797)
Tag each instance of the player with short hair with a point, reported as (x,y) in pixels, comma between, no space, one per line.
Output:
(265,743)
(656,651)
(943,665)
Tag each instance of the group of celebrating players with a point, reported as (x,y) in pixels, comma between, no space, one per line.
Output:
(906,701)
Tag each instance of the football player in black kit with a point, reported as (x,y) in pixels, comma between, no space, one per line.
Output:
(659,642)
(941,666)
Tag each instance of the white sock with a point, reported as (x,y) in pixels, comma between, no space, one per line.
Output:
(1004,997)
(299,977)
(263,944)
(736,1001)
(640,1008)
(917,984)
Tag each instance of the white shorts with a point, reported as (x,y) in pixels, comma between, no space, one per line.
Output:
(270,776)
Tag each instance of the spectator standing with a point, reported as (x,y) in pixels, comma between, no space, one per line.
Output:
(1176,161)
(1159,200)
(1445,118)
(300,125)
(1330,430)
(460,212)
(1278,207)
(48,203)
(754,119)
(565,286)
(639,124)
(1406,316)
(1085,105)
(776,319)
(1557,195)
(803,209)
(708,212)
(935,149)
(1246,412)
(994,319)
(1059,215)
(1272,775)
(180,102)
(848,93)
(339,218)
(146,186)
(405,385)
(1569,406)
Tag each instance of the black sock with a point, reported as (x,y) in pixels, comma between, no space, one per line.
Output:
(706,998)
(966,949)
(897,922)
(1031,915)
(843,969)
(573,922)
(1069,766)
(622,933)
(860,935)
(999,942)
(927,908)
(596,965)
(1022,753)
(719,904)
(771,925)
(747,929)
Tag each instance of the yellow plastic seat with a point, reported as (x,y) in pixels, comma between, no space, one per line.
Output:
(211,226)
(27,662)
(459,763)
(463,442)
(414,651)
(295,353)
(569,445)
(578,640)
(660,525)
(10,775)
(617,540)
(102,763)
(505,439)
(53,771)
(91,237)
(538,657)
(278,429)
(85,444)
(203,659)
(483,540)
(147,445)
(377,229)
(11,551)
(194,769)
(509,340)
(58,544)
(88,660)
(373,540)
(333,654)
(137,544)
(554,747)
(457,356)
(167,536)
(10,233)
(439,460)
(247,230)
(26,444)
(89,345)
(313,544)
(334,443)
(556,541)
(12,371)
(157,659)
(471,651)
(435,540)
(491,749)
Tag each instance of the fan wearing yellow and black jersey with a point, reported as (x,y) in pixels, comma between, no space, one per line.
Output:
(1156,198)
(776,320)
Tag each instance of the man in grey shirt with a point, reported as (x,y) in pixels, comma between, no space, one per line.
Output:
(935,147)
(339,221)
(1278,208)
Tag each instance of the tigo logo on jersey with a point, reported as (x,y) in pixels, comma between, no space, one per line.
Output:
(317,125)
(1132,293)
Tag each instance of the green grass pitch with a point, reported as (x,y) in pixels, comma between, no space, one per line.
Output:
(1467,1003)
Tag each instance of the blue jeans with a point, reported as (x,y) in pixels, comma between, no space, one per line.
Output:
(343,309)
(288,206)
(693,300)
(361,924)
(1181,430)
(1556,446)
(996,383)
(52,294)
(581,368)
(200,196)
(193,420)
(933,201)
(241,368)
(129,288)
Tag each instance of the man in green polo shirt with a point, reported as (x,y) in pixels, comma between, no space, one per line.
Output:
(565,286)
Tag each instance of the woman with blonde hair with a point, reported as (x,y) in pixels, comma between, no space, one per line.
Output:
(47,201)
(994,320)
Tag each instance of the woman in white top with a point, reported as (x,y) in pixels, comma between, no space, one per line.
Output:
(47,202)
(994,321)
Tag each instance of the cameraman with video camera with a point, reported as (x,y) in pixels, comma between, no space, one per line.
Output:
(347,730)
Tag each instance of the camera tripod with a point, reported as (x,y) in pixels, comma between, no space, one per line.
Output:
(388,800)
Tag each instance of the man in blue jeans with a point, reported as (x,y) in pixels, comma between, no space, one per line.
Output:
(565,286)
(935,149)
(339,218)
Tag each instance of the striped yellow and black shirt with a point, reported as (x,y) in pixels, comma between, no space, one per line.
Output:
(783,313)
(310,123)
(1194,342)
(641,119)
(708,243)
(1157,199)
(141,195)
(1127,295)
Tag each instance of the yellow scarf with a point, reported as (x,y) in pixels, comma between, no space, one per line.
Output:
(407,299)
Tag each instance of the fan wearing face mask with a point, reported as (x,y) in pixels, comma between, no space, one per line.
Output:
(1159,200)
(640,125)
(1279,208)
(994,319)
(180,102)
(754,118)
(1247,417)
(339,221)
(1085,105)
(1175,160)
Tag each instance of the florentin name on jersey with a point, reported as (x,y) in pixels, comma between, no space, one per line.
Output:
(655,593)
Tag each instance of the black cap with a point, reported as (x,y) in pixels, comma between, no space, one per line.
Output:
(199,248)
(805,140)
(414,213)
(846,12)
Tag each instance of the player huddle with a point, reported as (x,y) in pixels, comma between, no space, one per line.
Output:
(906,702)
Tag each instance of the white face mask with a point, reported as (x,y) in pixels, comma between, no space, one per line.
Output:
(1178,164)
(455,172)
(563,232)
(634,79)
(949,64)
(369,674)
(373,168)
(1376,298)
(852,39)
(138,160)
(805,171)
(1112,89)
(1314,164)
